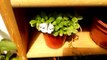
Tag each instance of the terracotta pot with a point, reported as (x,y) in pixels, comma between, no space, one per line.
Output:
(54,42)
(99,32)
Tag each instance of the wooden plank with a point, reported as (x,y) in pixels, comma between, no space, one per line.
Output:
(11,24)
(83,46)
(53,3)
(22,23)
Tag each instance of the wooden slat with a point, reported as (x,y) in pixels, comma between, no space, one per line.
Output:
(51,3)
(11,24)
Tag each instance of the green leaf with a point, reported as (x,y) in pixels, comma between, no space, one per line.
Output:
(65,28)
(60,25)
(54,23)
(73,24)
(74,19)
(70,23)
(65,23)
(77,26)
(7,45)
(51,19)
(80,18)
(32,23)
(8,55)
(2,57)
(55,33)
(61,32)
(65,32)
(57,28)
(68,33)
(38,17)
(37,26)
(15,58)
(42,20)
(65,18)
(75,31)
(70,28)
(43,15)
(46,17)
(58,19)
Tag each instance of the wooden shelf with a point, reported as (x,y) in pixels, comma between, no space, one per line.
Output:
(83,46)
(48,3)
(19,30)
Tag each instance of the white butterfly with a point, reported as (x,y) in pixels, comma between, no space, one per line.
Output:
(46,28)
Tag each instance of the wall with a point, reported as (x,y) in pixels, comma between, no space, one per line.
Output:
(3,31)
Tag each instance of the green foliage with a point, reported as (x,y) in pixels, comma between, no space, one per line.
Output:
(64,24)
(9,46)
(16,58)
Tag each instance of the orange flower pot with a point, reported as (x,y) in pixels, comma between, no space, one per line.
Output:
(54,42)
(99,33)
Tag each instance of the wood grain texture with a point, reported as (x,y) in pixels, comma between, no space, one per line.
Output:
(12,27)
(53,3)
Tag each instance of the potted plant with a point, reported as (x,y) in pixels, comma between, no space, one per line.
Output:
(8,50)
(99,30)
(56,26)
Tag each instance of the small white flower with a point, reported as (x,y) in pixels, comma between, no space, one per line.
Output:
(5,52)
(43,27)
(50,28)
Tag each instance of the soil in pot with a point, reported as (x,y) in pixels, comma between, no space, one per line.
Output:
(99,32)
(54,42)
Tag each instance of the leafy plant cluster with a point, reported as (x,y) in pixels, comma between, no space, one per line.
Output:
(7,50)
(64,23)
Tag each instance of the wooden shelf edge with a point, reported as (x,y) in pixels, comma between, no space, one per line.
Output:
(50,3)
(83,46)
(71,52)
